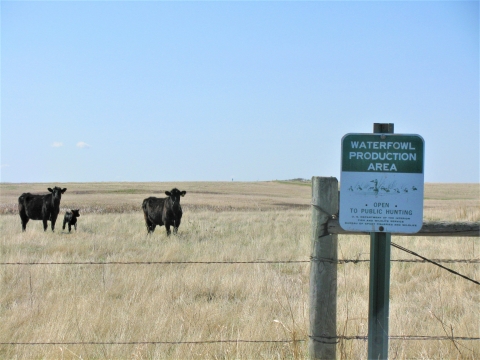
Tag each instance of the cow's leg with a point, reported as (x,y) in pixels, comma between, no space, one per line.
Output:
(175,226)
(64,223)
(167,226)
(24,219)
(148,223)
(23,215)
(45,224)
(75,226)
(24,224)
(53,220)
(150,227)
(69,227)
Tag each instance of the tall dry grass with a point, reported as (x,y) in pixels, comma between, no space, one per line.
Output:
(211,302)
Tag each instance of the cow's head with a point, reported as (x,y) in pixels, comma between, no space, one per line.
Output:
(76,212)
(57,192)
(175,195)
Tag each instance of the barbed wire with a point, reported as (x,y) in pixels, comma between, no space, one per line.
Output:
(148,342)
(434,263)
(341,261)
(156,262)
(336,339)
(355,261)
(324,339)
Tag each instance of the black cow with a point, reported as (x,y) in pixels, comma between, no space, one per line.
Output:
(70,218)
(164,211)
(40,207)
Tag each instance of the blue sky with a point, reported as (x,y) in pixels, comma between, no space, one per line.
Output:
(210,91)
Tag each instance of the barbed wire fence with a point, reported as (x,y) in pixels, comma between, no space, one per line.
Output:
(322,339)
(342,261)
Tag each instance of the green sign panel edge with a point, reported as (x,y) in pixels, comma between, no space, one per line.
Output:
(396,153)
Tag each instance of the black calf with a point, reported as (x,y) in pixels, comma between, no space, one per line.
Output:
(70,218)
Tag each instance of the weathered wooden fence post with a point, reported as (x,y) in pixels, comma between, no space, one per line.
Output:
(323,270)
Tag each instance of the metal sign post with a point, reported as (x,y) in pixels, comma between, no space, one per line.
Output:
(381,187)
(378,303)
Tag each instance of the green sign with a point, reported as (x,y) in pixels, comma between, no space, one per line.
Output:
(382,153)
(382,183)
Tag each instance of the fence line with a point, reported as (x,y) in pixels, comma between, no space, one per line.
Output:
(156,262)
(340,261)
(335,339)
(151,342)
(424,260)
(396,337)
(316,339)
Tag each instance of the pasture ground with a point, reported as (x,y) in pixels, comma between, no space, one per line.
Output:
(223,222)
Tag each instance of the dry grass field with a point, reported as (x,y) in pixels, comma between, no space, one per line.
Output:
(163,311)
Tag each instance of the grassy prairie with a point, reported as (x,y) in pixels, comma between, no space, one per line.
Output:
(211,302)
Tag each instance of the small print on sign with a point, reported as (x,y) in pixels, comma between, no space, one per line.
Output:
(381,184)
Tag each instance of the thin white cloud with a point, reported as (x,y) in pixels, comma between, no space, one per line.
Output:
(57,144)
(4,166)
(83,145)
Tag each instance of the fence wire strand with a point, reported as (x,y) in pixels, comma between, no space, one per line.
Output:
(337,339)
(434,263)
(149,342)
(155,262)
(322,339)
(341,261)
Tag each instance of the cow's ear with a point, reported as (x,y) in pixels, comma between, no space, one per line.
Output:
(167,193)
(63,190)
(50,189)
(183,193)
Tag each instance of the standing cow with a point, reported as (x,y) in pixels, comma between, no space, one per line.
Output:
(70,218)
(163,211)
(40,207)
